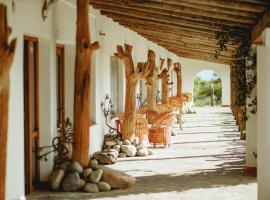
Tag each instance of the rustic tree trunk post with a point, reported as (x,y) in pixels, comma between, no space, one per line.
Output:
(165,84)
(178,71)
(84,51)
(151,87)
(7,52)
(132,77)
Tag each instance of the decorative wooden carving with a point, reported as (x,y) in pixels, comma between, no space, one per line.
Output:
(84,51)
(178,71)
(151,79)
(132,77)
(151,85)
(165,83)
(7,51)
(177,101)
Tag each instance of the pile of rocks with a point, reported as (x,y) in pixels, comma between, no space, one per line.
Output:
(114,148)
(71,177)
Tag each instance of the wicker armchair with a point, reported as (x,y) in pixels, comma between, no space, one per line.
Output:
(141,127)
(177,104)
(187,96)
(164,108)
(160,132)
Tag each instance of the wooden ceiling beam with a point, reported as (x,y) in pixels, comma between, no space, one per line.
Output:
(262,24)
(178,37)
(236,5)
(203,57)
(160,19)
(160,9)
(221,7)
(182,10)
(178,47)
(187,44)
(163,28)
(131,19)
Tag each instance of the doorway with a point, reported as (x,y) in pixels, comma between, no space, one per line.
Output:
(207,89)
(31,112)
(60,87)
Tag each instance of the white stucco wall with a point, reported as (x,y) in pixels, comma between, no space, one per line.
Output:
(26,19)
(263,125)
(190,68)
(59,27)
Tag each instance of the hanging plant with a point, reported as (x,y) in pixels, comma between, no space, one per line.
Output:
(244,60)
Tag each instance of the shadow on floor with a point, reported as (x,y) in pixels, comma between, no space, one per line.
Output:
(161,183)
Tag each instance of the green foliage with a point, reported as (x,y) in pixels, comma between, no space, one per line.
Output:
(203,91)
(240,39)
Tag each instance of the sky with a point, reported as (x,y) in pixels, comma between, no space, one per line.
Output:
(206,75)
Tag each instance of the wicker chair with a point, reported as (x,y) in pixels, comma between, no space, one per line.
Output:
(164,108)
(141,127)
(187,96)
(160,132)
(177,104)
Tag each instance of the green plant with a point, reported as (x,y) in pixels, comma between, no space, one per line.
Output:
(61,145)
(239,38)
(203,91)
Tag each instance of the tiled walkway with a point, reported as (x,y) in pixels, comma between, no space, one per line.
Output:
(205,162)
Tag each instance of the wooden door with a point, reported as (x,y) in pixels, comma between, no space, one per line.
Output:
(31,113)
(60,64)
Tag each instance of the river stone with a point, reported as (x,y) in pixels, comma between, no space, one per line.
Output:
(94,164)
(104,186)
(116,179)
(64,165)
(119,142)
(76,167)
(150,152)
(130,150)
(117,148)
(71,183)
(56,179)
(139,146)
(173,133)
(82,183)
(126,142)
(143,152)
(91,188)
(111,143)
(105,158)
(122,155)
(87,172)
(114,152)
(96,176)
(136,141)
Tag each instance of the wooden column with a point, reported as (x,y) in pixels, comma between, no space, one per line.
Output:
(7,52)
(84,51)
(132,77)
(151,79)
(178,71)
(151,86)
(165,84)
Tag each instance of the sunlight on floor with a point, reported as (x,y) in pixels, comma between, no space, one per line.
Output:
(205,162)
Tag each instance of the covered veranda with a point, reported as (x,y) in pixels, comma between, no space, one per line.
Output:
(54,79)
(205,161)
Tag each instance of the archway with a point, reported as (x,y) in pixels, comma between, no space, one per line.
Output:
(207,89)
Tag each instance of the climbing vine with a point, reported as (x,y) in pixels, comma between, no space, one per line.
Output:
(244,61)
